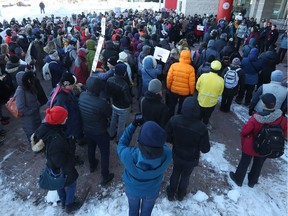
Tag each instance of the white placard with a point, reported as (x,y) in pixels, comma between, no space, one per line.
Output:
(161,53)
(97,53)
(103,26)
(3,33)
(200,28)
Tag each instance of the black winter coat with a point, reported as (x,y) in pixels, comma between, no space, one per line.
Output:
(95,111)
(119,90)
(153,109)
(188,134)
(59,153)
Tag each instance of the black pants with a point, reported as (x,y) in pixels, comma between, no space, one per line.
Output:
(205,113)
(255,171)
(180,178)
(226,102)
(282,53)
(173,100)
(102,141)
(248,89)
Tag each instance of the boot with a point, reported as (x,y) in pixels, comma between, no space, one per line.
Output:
(107,179)
(73,207)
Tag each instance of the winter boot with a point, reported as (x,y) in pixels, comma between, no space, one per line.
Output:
(73,207)
(107,179)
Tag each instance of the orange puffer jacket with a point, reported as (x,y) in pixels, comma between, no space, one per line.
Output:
(181,75)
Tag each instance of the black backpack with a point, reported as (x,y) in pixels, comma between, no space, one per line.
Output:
(270,141)
(67,61)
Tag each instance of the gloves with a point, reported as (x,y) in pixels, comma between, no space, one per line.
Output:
(250,112)
(138,120)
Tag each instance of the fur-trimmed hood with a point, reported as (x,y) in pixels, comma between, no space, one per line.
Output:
(271,117)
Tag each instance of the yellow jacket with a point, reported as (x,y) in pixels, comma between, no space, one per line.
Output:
(210,86)
(181,75)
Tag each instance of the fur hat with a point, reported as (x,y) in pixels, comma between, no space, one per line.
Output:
(269,100)
(67,79)
(277,76)
(49,47)
(155,86)
(151,140)
(56,115)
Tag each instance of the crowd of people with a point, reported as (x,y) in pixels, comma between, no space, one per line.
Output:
(176,98)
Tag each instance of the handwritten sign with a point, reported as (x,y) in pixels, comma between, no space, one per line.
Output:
(161,53)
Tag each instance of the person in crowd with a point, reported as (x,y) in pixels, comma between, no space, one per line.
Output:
(150,70)
(180,81)
(272,37)
(55,66)
(20,54)
(42,7)
(37,52)
(119,91)
(248,47)
(90,44)
(254,33)
(270,116)
(188,135)
(59,154)
(144,165)
(151,105)
(209,86)
(231,89)
(81,70)
(264,32)
(27,102)
(251,66)
(210,51)
(95,113)
(72,55)
(283,47)
(8,37)
(241,34)
(64,96)
(13,67)
(221,42)
(13,44)
(275,88)
(269,61)
(123,58)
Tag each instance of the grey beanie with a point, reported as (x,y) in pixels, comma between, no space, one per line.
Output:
(155,86)
(277,76)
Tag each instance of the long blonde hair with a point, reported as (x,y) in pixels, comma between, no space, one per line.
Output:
(4,49)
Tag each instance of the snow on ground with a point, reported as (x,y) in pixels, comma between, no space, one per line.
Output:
(265,199)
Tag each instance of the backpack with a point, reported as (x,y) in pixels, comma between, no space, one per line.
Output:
(67,61)
(270,141)
(46,71)
(231,78)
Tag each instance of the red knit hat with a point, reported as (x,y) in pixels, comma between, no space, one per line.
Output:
(56,115)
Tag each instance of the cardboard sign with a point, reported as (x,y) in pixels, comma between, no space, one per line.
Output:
(97,53)
(161,53)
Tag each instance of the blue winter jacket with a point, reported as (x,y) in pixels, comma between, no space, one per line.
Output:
(251,66)
(142,176)
(284,41)
(149,71)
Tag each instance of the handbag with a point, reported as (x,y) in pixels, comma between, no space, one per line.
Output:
(50,181)
(12,108)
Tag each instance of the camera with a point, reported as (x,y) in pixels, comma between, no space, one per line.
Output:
(138,120)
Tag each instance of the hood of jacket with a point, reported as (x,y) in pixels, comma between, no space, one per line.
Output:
(149,62)
(252,42)
(211,44)
(271,117)
(90,44)
(19,77)
(95,85)
(253,55)
(109,45)
(185,57)
(191,108)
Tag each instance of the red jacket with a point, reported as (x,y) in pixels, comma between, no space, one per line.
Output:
(254,125)
(81,68)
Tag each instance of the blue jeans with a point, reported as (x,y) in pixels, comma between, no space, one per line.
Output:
(120,116)
(141,205)
(103,142)
(67,193)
